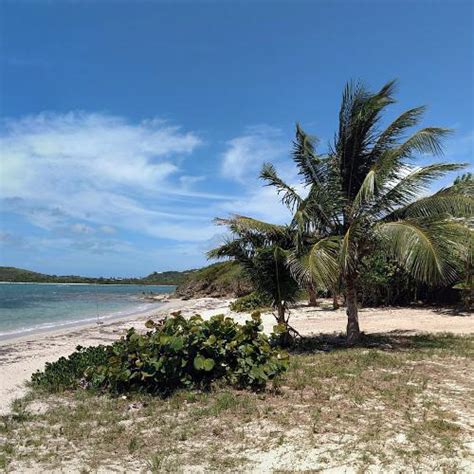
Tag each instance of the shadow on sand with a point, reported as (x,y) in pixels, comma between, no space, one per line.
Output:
(389,341)
(454,311)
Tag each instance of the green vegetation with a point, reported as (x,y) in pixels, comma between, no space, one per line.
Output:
(379,407)
(12,274)
(251,302)
(382,281)
(178,353)
(67,372)
(216,280)
(262,253)
(363,197)
(165,278)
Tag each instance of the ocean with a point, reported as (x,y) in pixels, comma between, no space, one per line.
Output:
(32,307)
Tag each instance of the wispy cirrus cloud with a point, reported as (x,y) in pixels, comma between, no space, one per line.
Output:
(8,239)
(246,153)
(79,228)
(57,150)
(88,171)
(242,162)
(262,203)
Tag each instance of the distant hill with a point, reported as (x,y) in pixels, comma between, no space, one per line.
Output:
(20,275)
(166,278)
(216,280)
(17,275)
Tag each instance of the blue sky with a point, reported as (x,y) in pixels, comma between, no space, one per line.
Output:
(127,126)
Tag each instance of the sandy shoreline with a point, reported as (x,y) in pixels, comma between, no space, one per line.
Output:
(7,339)
(22,356)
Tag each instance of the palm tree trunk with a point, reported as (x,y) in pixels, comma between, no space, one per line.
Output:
(285,337)
(353,330)
(469,287)
(313,301)
(281,314)
(335,301)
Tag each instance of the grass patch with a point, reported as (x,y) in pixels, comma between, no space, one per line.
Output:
(395,403)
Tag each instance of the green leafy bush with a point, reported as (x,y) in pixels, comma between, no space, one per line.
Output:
(383,282)
(178,353)
(191,353)
(67,372)
(250,302)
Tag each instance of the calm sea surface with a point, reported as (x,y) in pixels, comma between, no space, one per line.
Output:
(30,307)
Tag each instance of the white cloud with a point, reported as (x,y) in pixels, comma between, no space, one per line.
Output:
(243,160)
(58,169)
(51,152)
(81,173)
(79,228)
(262,203)
(246,154)
(188,181)
(108,229)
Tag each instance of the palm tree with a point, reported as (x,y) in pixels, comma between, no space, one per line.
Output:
(366,192)
(312,259)
(466,184)
(262,250)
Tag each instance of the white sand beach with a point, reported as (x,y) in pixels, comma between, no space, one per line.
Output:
(21,357)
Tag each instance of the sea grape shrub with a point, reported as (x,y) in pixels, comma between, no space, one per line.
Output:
(382,282)
(190,353)
(250,302)
(66,373)
(176,353)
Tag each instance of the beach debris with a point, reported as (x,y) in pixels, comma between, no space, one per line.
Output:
(84,383)
(152,297)
(136,406)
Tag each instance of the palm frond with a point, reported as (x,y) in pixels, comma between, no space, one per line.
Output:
(464,184)
(290,197)
(366,191)
(427,140)
(346,256)
(447,202)
(411,185)
(423,249)
(358,119)
(323,205)
(231,248)
(304,155)
(390,136)
(240,224)
(319,266)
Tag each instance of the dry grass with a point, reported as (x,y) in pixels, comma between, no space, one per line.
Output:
(397,403)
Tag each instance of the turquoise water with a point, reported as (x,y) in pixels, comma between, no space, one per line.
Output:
(31,307)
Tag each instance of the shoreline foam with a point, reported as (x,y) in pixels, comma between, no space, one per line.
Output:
(58,310)
(58,325)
